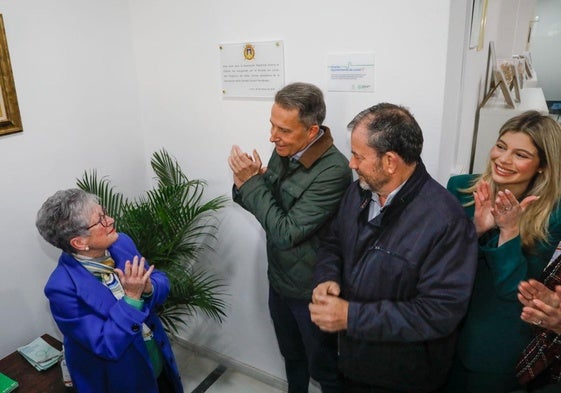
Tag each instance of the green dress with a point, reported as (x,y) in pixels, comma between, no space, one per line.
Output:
(492,335)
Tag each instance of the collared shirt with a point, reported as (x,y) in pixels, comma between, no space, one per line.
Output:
(376,207)
(299,154)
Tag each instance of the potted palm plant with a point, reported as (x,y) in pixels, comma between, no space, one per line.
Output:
(171,225)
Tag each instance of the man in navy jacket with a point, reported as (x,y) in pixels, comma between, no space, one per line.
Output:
(395,272)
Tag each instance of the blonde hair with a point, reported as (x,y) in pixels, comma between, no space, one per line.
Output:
(545,134)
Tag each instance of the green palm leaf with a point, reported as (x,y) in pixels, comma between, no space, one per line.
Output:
(171,225)
(111,200)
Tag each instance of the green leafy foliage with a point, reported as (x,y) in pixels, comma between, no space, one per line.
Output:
(171,225)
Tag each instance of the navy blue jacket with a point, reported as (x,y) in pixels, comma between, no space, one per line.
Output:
(408,275)
(103,343)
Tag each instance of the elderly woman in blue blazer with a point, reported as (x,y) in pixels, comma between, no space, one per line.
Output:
(103,297)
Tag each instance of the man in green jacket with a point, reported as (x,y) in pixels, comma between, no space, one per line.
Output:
(293,199)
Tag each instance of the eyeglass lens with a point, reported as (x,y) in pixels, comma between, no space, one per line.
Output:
(102,220)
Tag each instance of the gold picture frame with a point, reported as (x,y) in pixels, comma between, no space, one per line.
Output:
(478,22)
(10,119)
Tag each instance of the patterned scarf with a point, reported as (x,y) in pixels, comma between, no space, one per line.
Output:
(103,268)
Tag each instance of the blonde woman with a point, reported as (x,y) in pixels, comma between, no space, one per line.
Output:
(517,217)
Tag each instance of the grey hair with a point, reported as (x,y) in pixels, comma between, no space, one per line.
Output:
(391,128)
(64,215)
(305,97)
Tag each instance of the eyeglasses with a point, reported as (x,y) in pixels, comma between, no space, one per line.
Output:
(102,220)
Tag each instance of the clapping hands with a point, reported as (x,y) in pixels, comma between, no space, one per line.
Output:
(244,166)
(504,212)
(542,306)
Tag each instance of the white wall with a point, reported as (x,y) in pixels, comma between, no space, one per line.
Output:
(506,24)
(546,48)
(103,84)
(514,18)
(74,74)
(177,57)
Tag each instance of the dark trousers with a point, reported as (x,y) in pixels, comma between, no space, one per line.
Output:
(164,384)
(307,351)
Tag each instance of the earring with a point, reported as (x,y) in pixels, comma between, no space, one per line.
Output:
(87,248)
(540,172)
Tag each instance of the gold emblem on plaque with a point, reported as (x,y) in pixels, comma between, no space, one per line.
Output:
(249,52)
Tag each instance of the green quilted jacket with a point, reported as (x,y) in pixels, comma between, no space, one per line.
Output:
(293,201)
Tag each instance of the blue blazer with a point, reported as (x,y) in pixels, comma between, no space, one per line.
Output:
(103,343)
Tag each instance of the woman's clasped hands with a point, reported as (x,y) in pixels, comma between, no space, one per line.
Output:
(135,279)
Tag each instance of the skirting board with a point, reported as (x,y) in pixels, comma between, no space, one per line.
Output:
(233,364)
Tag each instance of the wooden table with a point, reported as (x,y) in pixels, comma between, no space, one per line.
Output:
(30,380)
